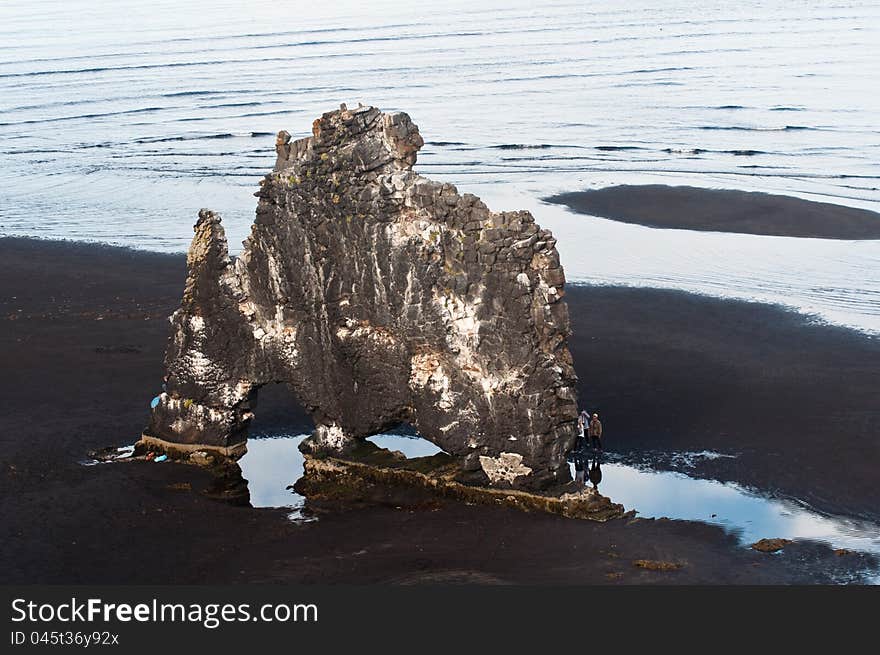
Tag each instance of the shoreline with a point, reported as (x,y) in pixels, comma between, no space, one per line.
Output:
(85,329)
(722,210)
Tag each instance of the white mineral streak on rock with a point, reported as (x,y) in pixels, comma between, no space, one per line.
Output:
(426,371)
(462,331)
(364,330)
(276,282)
(378,277)
(543,291)
(423,232)
(331,436)
(247,309)
(507,467)
(408,292)
(276,333)
(233,394)
(193,415)
(195,360)
(462,336)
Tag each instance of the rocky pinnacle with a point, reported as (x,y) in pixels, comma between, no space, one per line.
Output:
(379,297)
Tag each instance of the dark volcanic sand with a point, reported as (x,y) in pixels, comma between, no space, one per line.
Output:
(723,210)
(82,340)
(798,402)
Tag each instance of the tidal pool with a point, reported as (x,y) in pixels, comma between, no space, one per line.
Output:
(272,463)
(742,512)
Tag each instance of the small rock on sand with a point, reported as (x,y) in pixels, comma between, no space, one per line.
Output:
(201,458)
(770,545)
(656,565)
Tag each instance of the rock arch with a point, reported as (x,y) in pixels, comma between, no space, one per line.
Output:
(380,297)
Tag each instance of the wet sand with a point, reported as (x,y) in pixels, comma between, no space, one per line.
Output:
(83,333)
(723,210)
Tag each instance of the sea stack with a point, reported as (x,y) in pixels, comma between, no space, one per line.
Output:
(379,297)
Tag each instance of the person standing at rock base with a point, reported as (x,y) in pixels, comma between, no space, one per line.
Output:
(595,432)
(583,424)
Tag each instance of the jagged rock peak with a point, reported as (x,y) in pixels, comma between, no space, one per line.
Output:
(376,141)
(380,297)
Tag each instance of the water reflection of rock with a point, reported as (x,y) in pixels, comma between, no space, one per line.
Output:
(388,469)
(228,483)
(587,465)
(373,475)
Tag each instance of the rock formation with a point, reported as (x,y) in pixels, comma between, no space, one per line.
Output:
(380,297)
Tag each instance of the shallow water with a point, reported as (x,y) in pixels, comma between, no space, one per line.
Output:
(272,464)
(740,511)
(125,118)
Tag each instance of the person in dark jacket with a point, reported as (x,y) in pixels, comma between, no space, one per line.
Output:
(595,432)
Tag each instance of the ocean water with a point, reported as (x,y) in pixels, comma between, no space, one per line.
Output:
(118,121)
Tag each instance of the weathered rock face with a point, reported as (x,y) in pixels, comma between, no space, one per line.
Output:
(380,297)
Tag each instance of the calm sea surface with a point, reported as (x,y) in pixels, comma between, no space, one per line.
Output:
(118,121)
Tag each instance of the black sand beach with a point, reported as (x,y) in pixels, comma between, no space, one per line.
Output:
(723,210)
(82,340)
(799,403)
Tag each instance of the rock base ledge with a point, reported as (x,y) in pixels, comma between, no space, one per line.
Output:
(176,450)
(421,480)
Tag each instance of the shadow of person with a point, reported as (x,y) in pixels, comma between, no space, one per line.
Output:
(596,471)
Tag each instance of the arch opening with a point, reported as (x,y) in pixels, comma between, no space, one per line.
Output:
(273,460)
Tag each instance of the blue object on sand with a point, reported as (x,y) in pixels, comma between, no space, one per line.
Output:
(154,403)
(161,458)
